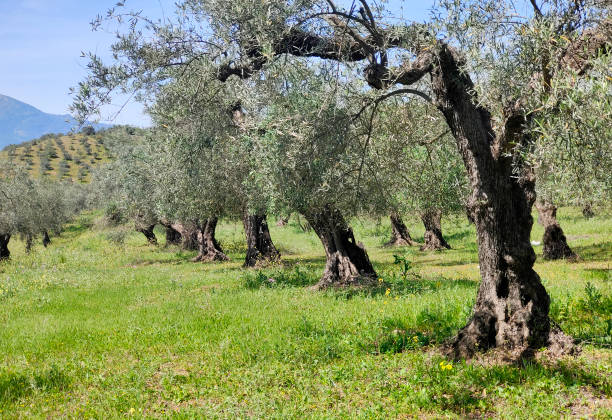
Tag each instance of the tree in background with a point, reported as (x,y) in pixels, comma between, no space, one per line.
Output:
(31,207)
(415,160)
(572,153)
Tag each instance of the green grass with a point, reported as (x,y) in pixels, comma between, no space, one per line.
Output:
(96,328)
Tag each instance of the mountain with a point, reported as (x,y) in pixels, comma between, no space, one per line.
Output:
(20,122)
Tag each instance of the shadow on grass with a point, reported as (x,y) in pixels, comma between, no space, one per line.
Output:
(595,252)
(14,386)
(176,258)
(80,226)
(460,236)
(472,259)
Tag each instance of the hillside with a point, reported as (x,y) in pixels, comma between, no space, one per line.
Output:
(21,122)
(61,157)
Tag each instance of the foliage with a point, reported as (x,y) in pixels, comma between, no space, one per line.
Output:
(29,207)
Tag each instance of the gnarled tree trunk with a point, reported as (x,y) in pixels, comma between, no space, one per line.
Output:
(208,247)
(148,232)
(5,254)
(434,241)
(554,243)
(188,233)
(512,305)
(46,241)
(399,232)
(260,248)
(347,262)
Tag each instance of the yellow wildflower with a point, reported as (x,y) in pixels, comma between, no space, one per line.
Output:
(388,292)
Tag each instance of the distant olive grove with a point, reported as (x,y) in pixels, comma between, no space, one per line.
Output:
(63,157)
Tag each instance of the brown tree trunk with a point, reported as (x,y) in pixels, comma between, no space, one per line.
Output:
(46,241)
(554,243)
(5,254)
(29,242)
(208,247)
(399,232)
(511,309)
(587,211)
(148,232)
(173,237)
(260,248)
(347,262)
(189,234)
(434,241)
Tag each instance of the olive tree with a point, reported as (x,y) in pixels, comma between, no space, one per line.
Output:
(489,69)
(310,150)
(572,155)
(414,159)
(31,207)
(208,161)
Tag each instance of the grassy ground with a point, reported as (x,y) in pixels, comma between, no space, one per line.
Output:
(96,328)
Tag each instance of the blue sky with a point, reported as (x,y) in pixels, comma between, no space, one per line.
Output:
(41,43)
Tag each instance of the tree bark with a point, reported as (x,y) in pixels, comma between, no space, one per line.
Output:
(5,254)
(400,236)
(46,241)
(511,309)
(148,232)
(434,241)
(554,243)
(347,262)
(587,211)
(189,234)
(260,248)
(208,247)
(29,242)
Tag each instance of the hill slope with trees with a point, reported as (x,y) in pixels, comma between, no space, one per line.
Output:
(60,157)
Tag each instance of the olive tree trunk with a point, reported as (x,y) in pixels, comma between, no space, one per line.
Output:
(29,242)
(554,243)
(46,241)
(260,248)
(347,262)
(400,236)
(208,247)
(434,241)
(188,233)
(148,232)
(587,211)
(5,254)
(512,305)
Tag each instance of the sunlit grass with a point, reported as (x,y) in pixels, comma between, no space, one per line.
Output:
(94,328)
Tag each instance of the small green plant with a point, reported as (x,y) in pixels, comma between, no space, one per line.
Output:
(404,264)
